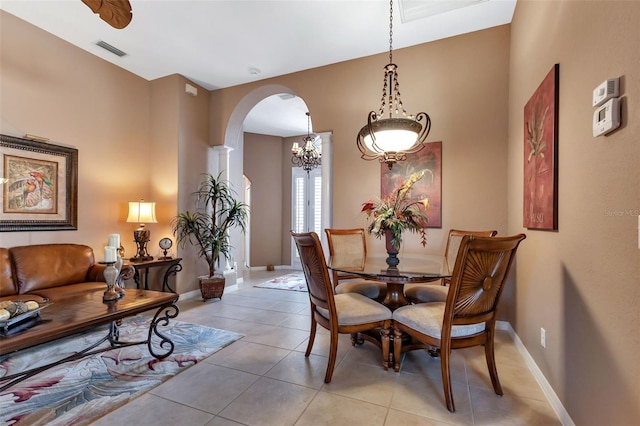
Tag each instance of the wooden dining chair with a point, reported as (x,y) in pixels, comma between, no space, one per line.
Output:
(348,248)
(425,293)
(348,313)
(467,318)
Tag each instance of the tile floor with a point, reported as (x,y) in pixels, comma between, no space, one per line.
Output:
(265,379)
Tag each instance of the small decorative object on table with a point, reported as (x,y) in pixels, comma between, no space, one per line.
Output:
(112,254)
(165,244)
(117,287)
(15,312)
(110,275)
(141,212)
(394,214)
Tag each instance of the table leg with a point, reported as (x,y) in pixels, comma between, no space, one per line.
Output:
(171,271)
(146,278)
(136,278)
(161,319)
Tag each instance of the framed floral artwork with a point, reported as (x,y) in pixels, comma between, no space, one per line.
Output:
(39,186)
(428,159)
(540,209)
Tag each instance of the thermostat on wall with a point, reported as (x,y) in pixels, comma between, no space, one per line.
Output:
(606,90)
(606,117)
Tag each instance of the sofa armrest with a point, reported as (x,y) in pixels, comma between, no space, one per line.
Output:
(126,273)
(96,273)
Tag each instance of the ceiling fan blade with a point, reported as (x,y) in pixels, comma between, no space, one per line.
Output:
(116,13)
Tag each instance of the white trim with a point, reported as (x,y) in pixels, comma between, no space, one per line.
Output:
(548,391)
(264,268)
(194,294)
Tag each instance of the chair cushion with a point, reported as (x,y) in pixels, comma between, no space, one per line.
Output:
(371,289)
(426,293)
(354,308)
(427,319)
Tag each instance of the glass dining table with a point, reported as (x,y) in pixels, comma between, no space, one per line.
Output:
(410,270)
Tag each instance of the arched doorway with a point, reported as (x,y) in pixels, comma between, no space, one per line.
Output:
(234,139)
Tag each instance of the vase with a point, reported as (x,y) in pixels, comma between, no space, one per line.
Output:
(392,251)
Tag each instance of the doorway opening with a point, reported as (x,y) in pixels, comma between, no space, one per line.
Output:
(306,206)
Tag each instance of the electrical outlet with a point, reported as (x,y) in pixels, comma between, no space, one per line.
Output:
(543,338)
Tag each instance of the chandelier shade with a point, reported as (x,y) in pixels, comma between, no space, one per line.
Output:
(391,133)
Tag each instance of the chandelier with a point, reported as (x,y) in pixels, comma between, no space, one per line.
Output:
(391,133)
(306,156)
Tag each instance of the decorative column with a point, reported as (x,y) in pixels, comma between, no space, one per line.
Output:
(220,163)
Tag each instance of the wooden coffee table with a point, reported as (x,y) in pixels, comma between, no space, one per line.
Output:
(85,310)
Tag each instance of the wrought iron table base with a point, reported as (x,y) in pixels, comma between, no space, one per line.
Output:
(161,318)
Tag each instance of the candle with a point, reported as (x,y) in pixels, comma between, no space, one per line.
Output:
(114,240)
(110,254)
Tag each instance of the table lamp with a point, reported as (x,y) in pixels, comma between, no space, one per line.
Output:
(141,212)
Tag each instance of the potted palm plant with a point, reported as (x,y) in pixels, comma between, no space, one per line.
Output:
(217,211)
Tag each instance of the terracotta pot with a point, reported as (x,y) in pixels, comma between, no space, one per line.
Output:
(212,287)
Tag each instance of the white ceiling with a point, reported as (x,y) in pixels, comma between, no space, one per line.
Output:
(223,43)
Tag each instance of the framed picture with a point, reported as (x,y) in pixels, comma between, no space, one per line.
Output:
(429,159)
(39,186)
(540,209)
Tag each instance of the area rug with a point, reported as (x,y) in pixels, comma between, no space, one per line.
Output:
(79,392)
(294,281)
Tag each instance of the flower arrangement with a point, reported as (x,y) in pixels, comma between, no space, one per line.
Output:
(398,213)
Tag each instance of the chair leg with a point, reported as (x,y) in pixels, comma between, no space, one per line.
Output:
(397,349)
(384,333)
(445,366)
(333,352)
(312,335)
(491,363)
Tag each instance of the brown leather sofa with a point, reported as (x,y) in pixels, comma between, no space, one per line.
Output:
(50,271)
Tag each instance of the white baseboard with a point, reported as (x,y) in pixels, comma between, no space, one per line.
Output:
(264,268)
(194,294)
(548,391)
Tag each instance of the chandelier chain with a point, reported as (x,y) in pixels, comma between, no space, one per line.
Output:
(386,137)
(391,31)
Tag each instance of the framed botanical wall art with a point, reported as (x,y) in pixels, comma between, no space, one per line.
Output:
(429,159)
(540,209)
(39,186)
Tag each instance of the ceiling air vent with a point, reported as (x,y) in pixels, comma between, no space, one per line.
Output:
(110,48)
(412,10)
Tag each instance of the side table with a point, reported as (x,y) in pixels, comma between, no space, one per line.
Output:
(173,267)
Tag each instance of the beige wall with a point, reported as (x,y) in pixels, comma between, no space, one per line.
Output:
(133,137)
(582,283)
(179,135)
(51,88)
(263,166)
(468,106)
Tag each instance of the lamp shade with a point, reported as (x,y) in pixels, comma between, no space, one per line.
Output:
(141,212)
